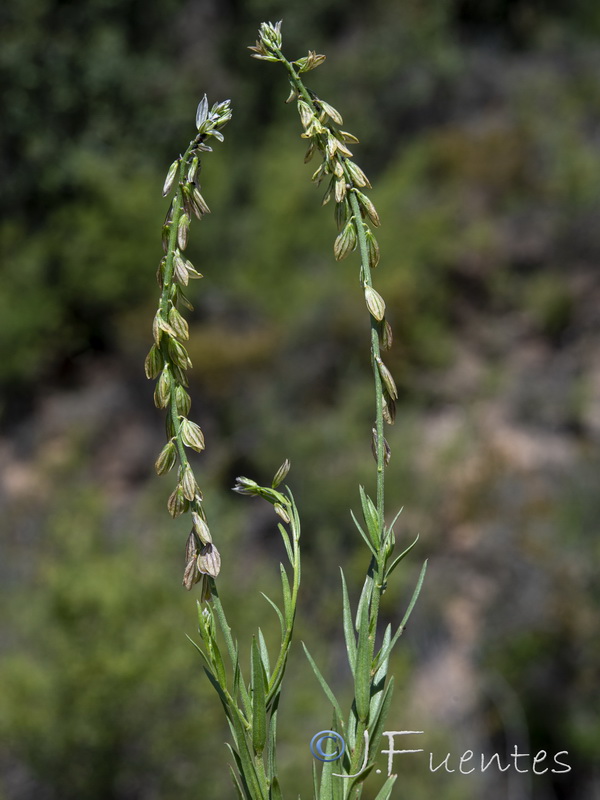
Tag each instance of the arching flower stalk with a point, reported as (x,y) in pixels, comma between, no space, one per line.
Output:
(168,359)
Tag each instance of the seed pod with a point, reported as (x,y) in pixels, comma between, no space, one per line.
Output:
(178,323)
(192,435)
(345,241)
(292,96)
(166,459)
(183,230)
(183,402)
(188,484)
(170,179)
(388,381)
(153,363)
(199,202)
(177,503)
(281,473)
(209,560)
(201,528)
(375,303)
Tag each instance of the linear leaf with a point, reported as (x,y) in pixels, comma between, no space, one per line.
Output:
(275,791)
(286,542)
(399,558)
(364,535)
(325,686)
(277,611)
(364,600)
(415,595)
(240,793)
(264,654)
(287,595)
(348,627)
(386,790)
(364,657)
(259,711)
(371,517)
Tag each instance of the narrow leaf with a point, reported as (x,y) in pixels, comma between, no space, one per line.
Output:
(259,712)
(364,535)
(277,611)
(386,790)
(362,675)
(348,627)
(399,558)
(264,654)
(326,689)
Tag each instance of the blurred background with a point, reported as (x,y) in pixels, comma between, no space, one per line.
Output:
(479,123)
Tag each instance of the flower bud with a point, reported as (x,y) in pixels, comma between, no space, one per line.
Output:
(162,392)
(177,503)
(202,112)
(192,435)
(281,473)
(372,249)
(331,112)
(368,208)
(166,459)
(245,486)
(209,560)
(345,241)
(375,303)
(358,176)
(182,231)
(387,336)
(281,512)
(201,528)
(191,574)
(178,323)
(183,401)
(170,179)
(153,363)
(188,484)
(388,381)
(179,354)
